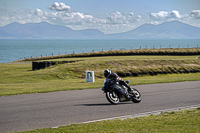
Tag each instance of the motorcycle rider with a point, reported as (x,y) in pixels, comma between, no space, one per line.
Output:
(113,76)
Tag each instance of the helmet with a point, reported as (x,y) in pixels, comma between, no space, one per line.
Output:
(107,73)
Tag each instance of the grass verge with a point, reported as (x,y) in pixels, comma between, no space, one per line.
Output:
(167,122)
(20,79)
(164,51)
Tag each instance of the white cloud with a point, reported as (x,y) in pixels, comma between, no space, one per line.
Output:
(116,18)
(122,18)
(60,7)
(175,14)
(73,18)
(192,18)
(163,15)
(195,14)
(159,15)
(38,12)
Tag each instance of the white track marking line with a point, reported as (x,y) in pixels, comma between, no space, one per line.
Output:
(146,113)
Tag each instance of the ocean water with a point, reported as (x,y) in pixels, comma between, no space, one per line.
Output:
(12,50)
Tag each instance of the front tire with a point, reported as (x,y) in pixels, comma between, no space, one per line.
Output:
(136,98)
(112,97)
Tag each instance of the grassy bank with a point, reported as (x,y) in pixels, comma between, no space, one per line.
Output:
(20,79)
(164,51)
(167,122)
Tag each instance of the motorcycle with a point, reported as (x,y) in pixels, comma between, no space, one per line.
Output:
(115,92)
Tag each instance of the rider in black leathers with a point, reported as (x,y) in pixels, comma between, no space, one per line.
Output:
(113,76)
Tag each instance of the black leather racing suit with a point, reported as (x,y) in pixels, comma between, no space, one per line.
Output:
(116,78)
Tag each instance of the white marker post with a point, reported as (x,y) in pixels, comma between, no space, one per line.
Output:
(89,76)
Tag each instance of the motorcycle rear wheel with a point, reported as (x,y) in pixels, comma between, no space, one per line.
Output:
(112,97)
(136,98)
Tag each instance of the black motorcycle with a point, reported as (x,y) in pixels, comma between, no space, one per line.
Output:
(115,92)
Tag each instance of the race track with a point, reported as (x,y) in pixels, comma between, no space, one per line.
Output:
(44,110)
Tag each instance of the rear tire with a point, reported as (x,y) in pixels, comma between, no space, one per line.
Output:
(136,98)
(112,97)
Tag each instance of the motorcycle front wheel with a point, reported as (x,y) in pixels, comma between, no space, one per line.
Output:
(112,97)
(136,98)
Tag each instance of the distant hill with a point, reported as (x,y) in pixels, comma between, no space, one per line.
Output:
(167,30)
(46,31)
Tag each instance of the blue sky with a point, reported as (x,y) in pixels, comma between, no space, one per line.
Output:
(108,16)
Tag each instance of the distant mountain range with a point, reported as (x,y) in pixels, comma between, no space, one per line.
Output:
(45,31)
(167,30)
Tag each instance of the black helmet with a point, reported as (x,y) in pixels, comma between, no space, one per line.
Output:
(107,73)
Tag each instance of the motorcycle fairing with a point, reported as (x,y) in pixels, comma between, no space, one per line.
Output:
(120,89)
(117,87)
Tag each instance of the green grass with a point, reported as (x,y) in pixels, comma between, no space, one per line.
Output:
(164,51)
(127,64)
(20,79)
(187,121)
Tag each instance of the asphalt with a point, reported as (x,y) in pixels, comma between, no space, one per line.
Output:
(46,110)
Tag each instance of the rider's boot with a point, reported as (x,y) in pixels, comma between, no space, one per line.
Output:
(127,95)
(130,90)
(128,87)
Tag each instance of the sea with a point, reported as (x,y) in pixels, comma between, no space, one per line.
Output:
(13,50)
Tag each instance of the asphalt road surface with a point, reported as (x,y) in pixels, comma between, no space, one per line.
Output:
(44,110)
